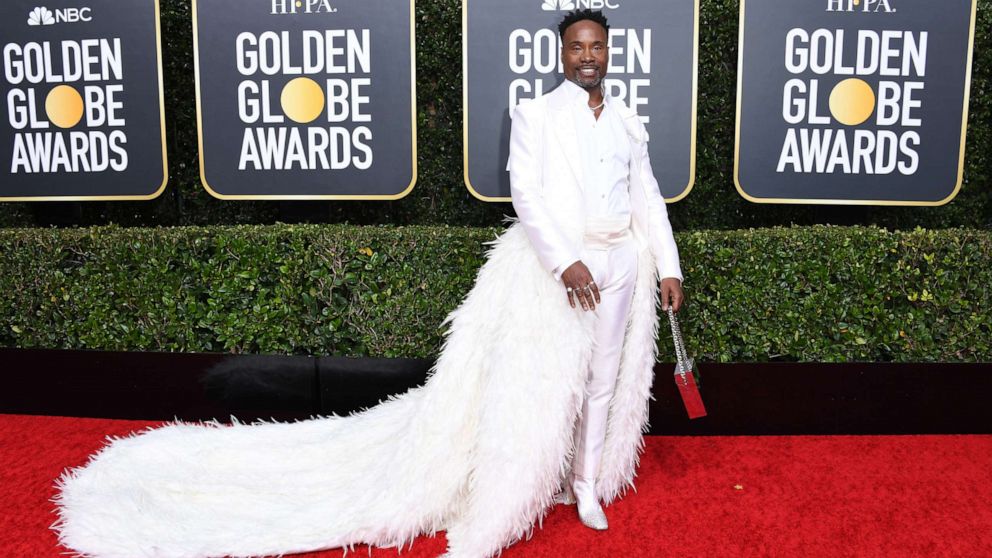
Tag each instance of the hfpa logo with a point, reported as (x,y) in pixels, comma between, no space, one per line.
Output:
(302,7)
(43,16)
(859,6)
(555,5)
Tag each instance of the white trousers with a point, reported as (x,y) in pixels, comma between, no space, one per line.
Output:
(614,268)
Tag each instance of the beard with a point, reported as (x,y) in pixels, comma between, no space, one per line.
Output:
(587,82)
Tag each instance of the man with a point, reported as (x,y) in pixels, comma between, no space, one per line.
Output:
(583,189)
(481,448)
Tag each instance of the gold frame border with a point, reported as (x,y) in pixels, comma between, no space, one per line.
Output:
(692,131)
(817,201)
(413,122)
(165,156)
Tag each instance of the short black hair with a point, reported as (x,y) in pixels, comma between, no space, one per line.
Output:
(576,16)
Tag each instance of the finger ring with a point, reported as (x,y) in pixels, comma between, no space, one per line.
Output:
(569,289)
(590,284)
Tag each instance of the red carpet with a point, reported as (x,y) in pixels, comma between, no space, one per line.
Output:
(789,496)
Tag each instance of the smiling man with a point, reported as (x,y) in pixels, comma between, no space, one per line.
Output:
(556,339)
(584,191)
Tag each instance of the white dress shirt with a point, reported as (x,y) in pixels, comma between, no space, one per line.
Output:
(605,154)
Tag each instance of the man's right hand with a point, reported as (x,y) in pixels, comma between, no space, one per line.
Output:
(579,285)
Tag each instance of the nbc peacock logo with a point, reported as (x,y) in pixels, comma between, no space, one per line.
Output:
(41,16)
(565,5)
(555,5)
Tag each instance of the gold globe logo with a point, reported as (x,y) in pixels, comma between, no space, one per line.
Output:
(302,100)
(64,106)
(852,102)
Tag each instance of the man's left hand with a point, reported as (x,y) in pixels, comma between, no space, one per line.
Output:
(671,290)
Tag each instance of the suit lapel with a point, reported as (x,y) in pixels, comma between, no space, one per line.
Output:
(564,125)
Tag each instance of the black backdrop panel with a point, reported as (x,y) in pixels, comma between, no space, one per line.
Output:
(511,52)
(83,111)
(853,103)
(306,100)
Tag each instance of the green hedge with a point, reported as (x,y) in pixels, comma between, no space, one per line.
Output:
(821,293)
(440,196)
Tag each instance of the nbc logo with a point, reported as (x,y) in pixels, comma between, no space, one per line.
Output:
(556,5)
(41,16)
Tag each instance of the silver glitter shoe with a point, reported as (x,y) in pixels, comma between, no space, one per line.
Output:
(593,517)
(566,496)
(591,514)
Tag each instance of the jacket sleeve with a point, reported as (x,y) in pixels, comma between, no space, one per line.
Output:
(553,249)
(662,239)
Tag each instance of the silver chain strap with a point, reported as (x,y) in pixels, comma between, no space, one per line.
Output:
(680,353)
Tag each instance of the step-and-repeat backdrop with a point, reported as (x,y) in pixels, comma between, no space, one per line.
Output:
(838,101)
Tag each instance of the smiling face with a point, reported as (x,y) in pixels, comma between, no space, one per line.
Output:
(584,53)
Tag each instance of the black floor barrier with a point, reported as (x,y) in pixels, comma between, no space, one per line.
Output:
(740,398)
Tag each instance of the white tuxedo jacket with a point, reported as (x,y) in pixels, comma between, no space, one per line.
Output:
(547,182)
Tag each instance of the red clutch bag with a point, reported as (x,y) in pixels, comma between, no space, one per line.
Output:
(686,372)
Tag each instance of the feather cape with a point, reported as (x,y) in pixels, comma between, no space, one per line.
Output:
(479,450)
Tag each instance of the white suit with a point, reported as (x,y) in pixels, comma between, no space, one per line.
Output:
(546,181)
(557,199)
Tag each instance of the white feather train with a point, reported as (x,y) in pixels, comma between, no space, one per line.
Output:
(479,450)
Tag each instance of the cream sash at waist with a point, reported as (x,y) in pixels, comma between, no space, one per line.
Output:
(603,233)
